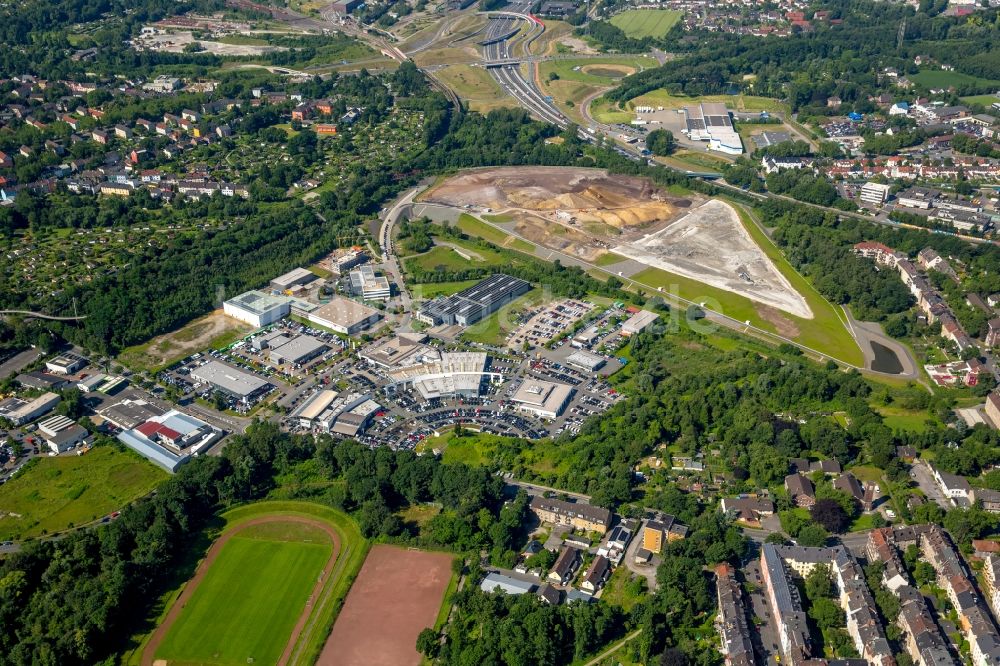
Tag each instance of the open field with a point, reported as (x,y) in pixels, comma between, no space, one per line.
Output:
(938,78)
(452,256)
(448,55)
(397,594)
(605,111)
(898,418)
(639,23)
(580,79)
(215,330)
(602,71)
(475,85)
(303,558)
(434,289)
(985,100)
(53,494)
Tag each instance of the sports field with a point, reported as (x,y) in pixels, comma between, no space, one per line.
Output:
(52,494)
(639,23)
(266,591)
(397,595)
(938,78)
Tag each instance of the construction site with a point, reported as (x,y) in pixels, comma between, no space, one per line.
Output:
(626,224)
(582,212)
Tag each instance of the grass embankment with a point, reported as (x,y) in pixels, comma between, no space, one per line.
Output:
(826,332)
(476,227)
(53,494)
(477,86)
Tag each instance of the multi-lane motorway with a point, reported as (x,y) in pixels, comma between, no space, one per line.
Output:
(509,76)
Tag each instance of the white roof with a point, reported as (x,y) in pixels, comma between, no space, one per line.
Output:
(343,312)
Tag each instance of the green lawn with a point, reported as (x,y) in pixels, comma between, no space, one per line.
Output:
(985,100)
(608,259)
(434,289)
(476,227)
(254,593)
(590,70)
(451,259)
(898,418)
(445,257)
(55,493)
(639,23)
(248,604)
(938,78)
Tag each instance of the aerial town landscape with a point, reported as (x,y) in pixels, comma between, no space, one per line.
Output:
(449,332)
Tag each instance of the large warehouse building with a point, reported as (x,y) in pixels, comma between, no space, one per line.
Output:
(473,304)
(230,381)
(296,350)
(710,121)
(639,322)
(293,278)
(345,316)
(545,399)
(257,308)
(169,440)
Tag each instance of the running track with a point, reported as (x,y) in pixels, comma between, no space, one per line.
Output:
(213,553)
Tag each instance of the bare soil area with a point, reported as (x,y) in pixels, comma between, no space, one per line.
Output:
(710,245)
(397,594)
(209,331)
(577,211)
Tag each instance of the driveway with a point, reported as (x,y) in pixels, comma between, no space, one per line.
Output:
(921,473)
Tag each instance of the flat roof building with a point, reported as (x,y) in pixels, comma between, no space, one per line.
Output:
(544,399)
(232,382)
(65,364)
(170,439)
(19,411)
(41,380)
(875,193)
(475,303)
(292,278)
(345,316)
(441,375)
(371,287)
(639,322)
(257,308)
(586,361)
(128,414)
(397,352)
(710,121)
(62,433)
(297,350)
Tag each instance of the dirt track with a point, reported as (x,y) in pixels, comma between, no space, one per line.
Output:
(191,586)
